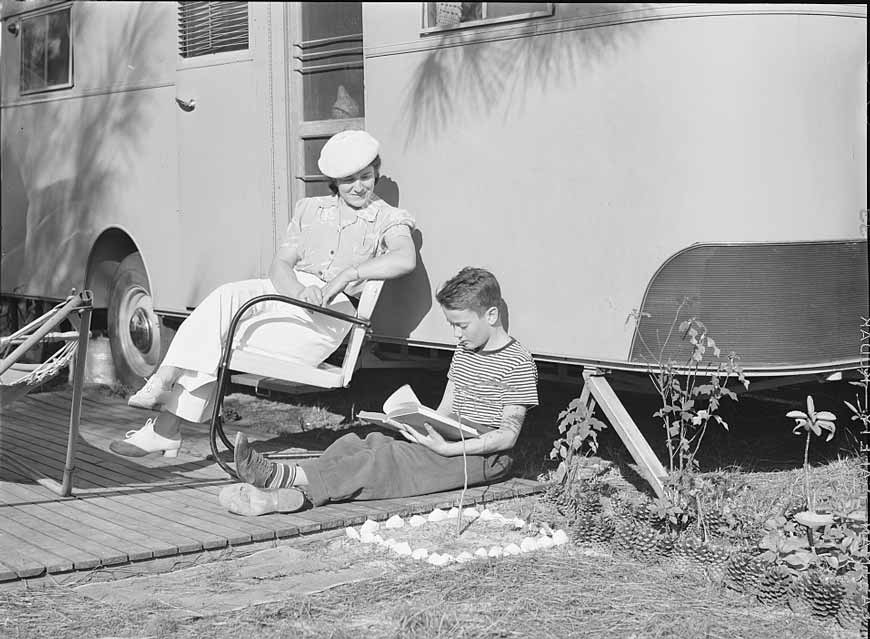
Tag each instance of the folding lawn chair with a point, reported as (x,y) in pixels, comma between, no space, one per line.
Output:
(17,379)
(324,376)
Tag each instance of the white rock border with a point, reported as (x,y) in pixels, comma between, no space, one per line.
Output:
(367,534)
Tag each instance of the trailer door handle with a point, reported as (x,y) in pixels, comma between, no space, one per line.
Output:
(186,105)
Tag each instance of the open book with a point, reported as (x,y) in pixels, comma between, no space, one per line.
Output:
(403,406)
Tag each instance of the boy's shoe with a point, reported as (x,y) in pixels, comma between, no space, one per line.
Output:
(138,443)
(250,501)
(251,466)
(149,396)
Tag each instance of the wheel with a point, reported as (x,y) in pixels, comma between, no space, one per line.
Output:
(135,336)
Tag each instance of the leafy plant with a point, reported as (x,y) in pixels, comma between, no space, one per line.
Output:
(812,423)
(690,392)
(705,500)
(861,408)
(784,546)
(579,430)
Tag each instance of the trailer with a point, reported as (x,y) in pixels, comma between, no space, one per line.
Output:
(603,160)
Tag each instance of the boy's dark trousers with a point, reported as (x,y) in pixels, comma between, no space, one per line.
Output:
(382,467)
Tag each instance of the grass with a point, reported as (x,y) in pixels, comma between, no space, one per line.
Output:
(563,593)
(566,592)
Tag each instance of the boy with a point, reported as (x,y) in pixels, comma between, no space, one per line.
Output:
(492,380)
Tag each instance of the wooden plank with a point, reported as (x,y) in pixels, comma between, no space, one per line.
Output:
(628,431)
(30,552)
(261,532)
(74,517)
(188,501)
(7,573)
(204,506)
(186,539)
(80,544)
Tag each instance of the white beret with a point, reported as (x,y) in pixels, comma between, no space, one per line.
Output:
(346,153)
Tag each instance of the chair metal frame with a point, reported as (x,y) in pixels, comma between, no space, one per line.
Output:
(358,323)
(82,304)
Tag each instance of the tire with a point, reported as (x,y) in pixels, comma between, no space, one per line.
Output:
(137,339)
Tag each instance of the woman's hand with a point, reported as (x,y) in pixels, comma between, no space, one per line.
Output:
(338,284)
(312,295)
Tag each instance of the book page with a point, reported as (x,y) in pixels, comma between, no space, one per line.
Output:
(402,396)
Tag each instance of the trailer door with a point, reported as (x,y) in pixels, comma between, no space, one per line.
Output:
(327,84)
(222,145)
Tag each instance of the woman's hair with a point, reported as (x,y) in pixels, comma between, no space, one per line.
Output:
(473,289)
(376,163)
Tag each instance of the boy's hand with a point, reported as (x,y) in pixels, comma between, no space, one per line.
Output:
(431,440)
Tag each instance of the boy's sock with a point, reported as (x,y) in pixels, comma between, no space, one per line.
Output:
(258,471)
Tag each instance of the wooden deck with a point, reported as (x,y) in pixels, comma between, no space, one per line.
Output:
(135,509)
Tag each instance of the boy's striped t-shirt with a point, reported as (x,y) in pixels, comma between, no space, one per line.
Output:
(486,381)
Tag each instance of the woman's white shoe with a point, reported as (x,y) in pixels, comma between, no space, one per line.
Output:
(138,443)
(149,396)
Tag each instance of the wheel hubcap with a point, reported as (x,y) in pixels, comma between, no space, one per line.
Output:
(140,330)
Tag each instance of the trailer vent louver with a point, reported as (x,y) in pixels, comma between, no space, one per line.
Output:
(211,27)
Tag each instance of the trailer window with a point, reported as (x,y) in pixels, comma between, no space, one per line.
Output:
(211,27)
(438,16)
(45,52)
(328,55)
(331,54)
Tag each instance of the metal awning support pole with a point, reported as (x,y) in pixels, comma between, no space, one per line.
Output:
(78,383)
(624,425)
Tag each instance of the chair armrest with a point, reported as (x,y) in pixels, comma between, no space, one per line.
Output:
(353,319)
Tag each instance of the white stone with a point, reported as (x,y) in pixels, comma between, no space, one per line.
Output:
(560,537)
(352,532)
(369,526)
(395,522)
(545,542)
(366,537)
(448,558)
(546,530)
(528,545)
(416,520)
(471,513)
(486,514)
(437,515)
(512,549)
(439,560)
(495,551)
(453,513)
(464,556)
(420,553)
(402,548)
(481,552)
(518,523)
(389,543)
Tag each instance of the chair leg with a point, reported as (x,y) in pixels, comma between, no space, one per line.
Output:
(216,428)
(76,407)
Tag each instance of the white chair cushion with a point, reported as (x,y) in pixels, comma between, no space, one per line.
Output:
(268,365)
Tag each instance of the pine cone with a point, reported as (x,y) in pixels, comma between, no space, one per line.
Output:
(744,572)
(714,560)
(824,595)
(852,614)
(773,587)
(684,552)
(624,533)
(647,542)
(798,596)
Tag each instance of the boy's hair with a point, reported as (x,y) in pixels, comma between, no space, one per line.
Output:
(473,289)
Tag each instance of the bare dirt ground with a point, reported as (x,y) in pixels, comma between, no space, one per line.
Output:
(327,585)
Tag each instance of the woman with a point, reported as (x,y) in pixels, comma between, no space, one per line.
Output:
(333,245)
